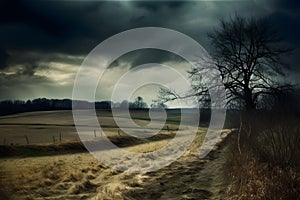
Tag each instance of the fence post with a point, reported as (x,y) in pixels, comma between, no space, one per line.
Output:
(119,132)
(60,135)
(26,138)
(95,133)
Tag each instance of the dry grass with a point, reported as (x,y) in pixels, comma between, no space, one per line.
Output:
(40,127)
(254,180)
(268,165)
(76,146)
(64,170)
(65,176)
(80,176)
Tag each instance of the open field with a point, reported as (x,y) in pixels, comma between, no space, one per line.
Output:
(41,127)
(64,170)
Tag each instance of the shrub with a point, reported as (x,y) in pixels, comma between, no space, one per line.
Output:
(267,165)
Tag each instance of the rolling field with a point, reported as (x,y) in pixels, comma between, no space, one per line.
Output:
(41,127)
(47,169)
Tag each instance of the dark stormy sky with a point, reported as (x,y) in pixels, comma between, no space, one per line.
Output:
(42,43)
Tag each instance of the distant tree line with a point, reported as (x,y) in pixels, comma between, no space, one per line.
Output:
(43,104)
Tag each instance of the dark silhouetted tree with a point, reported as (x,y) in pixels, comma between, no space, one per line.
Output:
(248,54)
(138,103)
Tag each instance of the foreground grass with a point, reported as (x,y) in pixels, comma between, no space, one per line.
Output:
(263,158)
(64,170)
(253,180)
(71,173)
(76,146)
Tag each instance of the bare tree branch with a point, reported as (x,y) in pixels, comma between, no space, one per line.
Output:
(248,54)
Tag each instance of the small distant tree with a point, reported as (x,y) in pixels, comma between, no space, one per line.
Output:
(124,104)
(138,103)
(158,104)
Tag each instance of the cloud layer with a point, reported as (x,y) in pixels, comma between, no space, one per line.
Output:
(42,43)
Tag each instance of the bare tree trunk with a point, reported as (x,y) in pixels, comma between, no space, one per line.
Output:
(239,134)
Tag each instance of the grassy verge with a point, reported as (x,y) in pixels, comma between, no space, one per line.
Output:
(75,146)
(263,159)
(252,179)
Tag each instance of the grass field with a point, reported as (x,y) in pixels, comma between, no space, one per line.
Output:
(41,127)
(47,169)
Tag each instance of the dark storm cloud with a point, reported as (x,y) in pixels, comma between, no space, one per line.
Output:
(288,5)
(35,33)
(76,27)
(14,11)
(28,70)
(46,26)
(27,58)
(144,56)
(27,63)
(152,6)
(71,28)
(20,86)
(3,58)
(286,18)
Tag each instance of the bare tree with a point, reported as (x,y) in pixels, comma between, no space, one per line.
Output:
(138,103)
(158,104)
(248,54)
